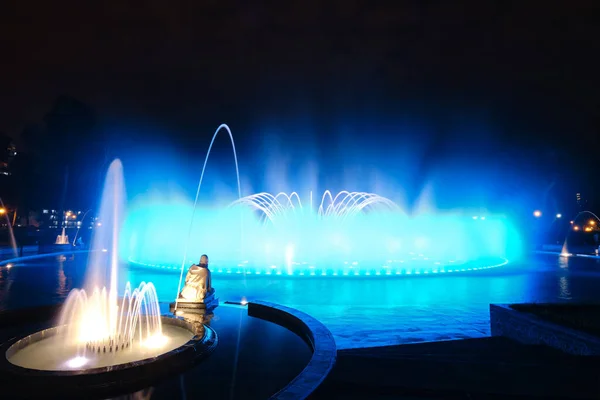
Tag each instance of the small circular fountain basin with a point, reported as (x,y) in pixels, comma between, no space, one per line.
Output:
(45,351)
(42,360)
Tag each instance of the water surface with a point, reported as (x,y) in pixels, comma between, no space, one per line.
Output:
(359,311)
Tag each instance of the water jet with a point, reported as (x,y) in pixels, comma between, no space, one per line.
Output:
(99,333)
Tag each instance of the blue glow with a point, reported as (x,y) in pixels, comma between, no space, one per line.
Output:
(355,234)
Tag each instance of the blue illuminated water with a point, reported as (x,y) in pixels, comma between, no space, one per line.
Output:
(367,311)
(352,234)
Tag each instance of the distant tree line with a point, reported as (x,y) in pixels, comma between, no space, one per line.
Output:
(59,161)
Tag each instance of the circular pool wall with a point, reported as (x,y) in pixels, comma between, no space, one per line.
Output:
(24,373)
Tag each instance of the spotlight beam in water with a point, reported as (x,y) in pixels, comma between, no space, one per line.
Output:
(237,172)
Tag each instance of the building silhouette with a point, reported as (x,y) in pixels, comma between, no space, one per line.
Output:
(8,151)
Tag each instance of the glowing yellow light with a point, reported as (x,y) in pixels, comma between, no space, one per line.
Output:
(575,228)
(2,210)
(93,327)
(74,216)
(537,213)
(588,229)
(77,362)
(592,222)
(156,341)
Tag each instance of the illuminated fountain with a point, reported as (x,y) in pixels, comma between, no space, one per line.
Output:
(101,326)
(362,234)
(349,234)
(345,204)
(96,328)
(62,238)
(584,221)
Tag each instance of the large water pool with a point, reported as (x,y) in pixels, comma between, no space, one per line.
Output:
(359,311)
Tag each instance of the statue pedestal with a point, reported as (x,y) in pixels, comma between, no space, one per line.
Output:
(198,293)
(210,302)
(198,318)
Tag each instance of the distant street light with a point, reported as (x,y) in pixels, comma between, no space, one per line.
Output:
(592,222)
(558,215)
(537,213)
(2,211)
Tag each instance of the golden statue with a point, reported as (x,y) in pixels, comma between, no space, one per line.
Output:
(197,291)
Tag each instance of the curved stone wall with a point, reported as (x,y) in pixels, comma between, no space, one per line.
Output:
(314,333)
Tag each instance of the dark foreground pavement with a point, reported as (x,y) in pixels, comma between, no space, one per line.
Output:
(486,368)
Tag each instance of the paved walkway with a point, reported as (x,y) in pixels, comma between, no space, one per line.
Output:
(487,368)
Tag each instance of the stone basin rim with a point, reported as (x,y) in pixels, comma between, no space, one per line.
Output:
(208,340)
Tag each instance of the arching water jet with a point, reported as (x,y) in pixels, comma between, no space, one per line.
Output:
(237,172)
(96,328)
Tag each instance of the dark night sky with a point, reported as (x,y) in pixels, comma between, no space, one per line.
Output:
(529,67)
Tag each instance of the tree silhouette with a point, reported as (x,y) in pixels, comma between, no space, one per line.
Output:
(61,159)
(7,193)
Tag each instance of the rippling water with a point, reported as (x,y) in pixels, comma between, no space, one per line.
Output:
(359,312)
